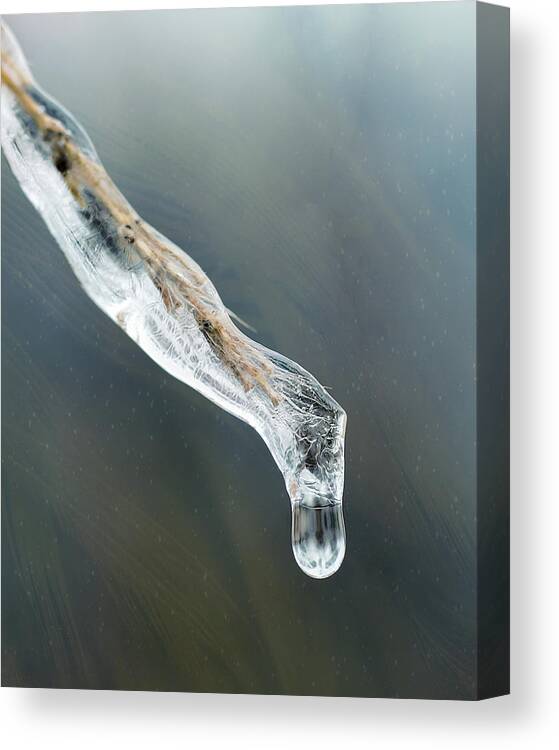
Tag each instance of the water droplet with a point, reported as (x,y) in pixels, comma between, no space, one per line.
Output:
(318,538)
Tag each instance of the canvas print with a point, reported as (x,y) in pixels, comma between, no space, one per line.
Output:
(286,219)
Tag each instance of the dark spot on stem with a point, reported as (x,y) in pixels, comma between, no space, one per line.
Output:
(62,163)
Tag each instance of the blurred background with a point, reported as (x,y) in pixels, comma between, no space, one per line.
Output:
(319,163)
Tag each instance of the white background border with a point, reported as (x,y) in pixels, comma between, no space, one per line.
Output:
(44,719)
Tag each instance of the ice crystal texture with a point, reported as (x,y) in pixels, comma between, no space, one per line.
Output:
(163,300)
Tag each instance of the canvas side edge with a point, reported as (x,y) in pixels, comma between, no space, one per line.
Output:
(493,349)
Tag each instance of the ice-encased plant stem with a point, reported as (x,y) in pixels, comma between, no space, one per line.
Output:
(163,300)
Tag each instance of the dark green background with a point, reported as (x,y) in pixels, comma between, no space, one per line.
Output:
(319,163)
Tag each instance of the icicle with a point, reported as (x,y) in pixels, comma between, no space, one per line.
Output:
(163,300)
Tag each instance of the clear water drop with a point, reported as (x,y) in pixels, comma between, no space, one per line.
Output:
(318,538)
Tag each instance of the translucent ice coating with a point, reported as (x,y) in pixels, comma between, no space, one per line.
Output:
(163,300)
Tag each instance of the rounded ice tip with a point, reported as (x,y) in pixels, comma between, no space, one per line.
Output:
(318,538)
